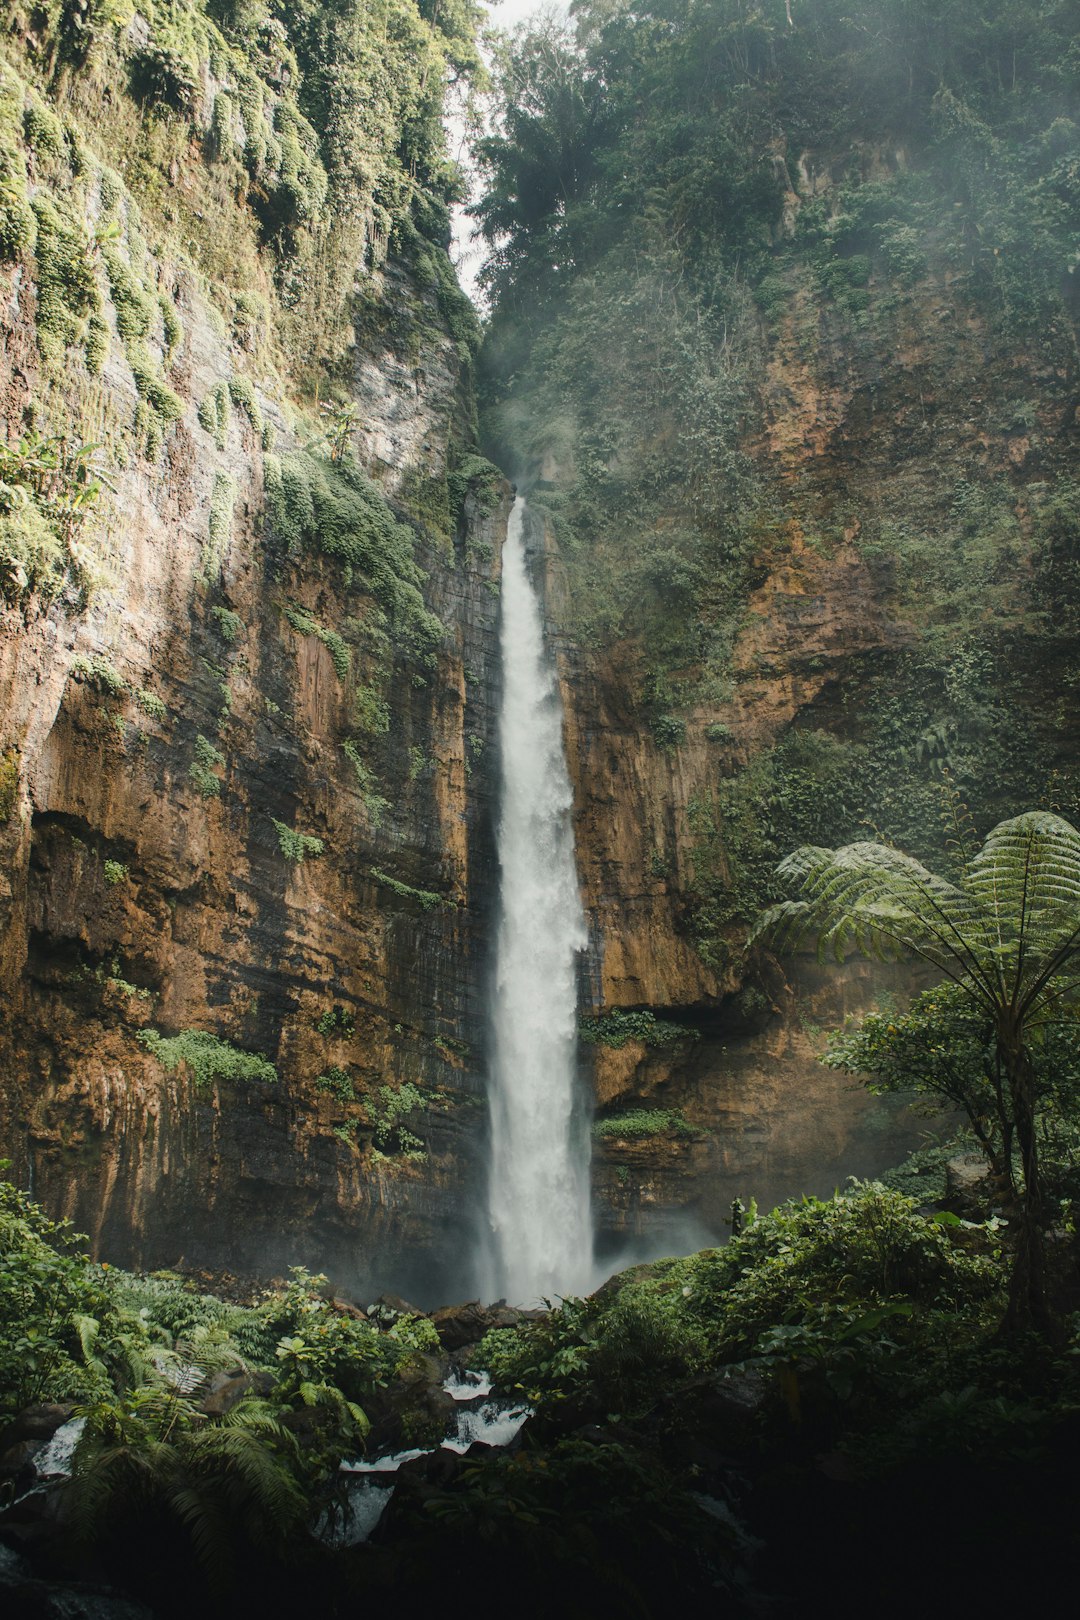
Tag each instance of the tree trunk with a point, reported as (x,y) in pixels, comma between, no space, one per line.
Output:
(1028,1307)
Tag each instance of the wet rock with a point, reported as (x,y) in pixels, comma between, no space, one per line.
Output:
(226,1388)
(462,1325)
(969,1186)
(36,1423)
(388,1307)
(414,1410)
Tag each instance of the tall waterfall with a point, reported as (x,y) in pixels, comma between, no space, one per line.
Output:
(539,1183)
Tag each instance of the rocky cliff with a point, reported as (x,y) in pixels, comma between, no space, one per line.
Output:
(247,686)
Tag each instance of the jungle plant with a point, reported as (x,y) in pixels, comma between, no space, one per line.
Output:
(207,1057)
(1007,935)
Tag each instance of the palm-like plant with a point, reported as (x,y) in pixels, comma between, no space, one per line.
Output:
(1007,933)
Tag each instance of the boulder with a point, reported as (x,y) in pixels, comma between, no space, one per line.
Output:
(226,1388)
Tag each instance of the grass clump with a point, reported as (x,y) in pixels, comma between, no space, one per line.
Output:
(219,527)
(207,1057)
(213,414)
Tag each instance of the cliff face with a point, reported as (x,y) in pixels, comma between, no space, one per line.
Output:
(247,811)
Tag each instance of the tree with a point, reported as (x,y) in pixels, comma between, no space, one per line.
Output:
(1007,934)
(943,1048)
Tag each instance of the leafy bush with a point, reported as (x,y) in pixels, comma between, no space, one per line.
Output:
(208,760)
(638,1123)
(297,847)
(209,1058)
(338,1083)
(617,1027)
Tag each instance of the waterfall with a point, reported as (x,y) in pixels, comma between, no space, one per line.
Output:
(539,1176)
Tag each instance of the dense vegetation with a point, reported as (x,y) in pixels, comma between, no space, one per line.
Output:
(698,209)
(684,1415)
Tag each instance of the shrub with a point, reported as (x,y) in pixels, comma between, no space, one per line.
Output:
(617,1027)
(207,761)
(296,846)
(207,1057)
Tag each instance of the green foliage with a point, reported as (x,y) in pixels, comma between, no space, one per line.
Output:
(115,872)
(1005,935)
(207,1057)
(338,1083)
(374,802)
(243,397)
(858,1292)
(214,413)
(336,1021)
(336,509)
(617,1027)
(636,1124)
(49,488)
(150,703)
(99,671)
(204,767)
(391,1135)
(426,899)
(219,527)
(230,625)
(305,625)
(49,1297)
(477,477)
(296,847)
(9,784)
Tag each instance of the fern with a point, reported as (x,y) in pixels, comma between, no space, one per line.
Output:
(1007,934)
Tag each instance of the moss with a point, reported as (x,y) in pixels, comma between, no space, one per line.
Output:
(243,397)
(214,413)
(296,847)
(334,508)
(66,290)
(208,1058)
(219,527)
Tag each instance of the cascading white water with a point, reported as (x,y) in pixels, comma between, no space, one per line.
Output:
(539,1183)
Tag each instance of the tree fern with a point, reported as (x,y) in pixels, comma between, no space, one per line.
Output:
(1008,934)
